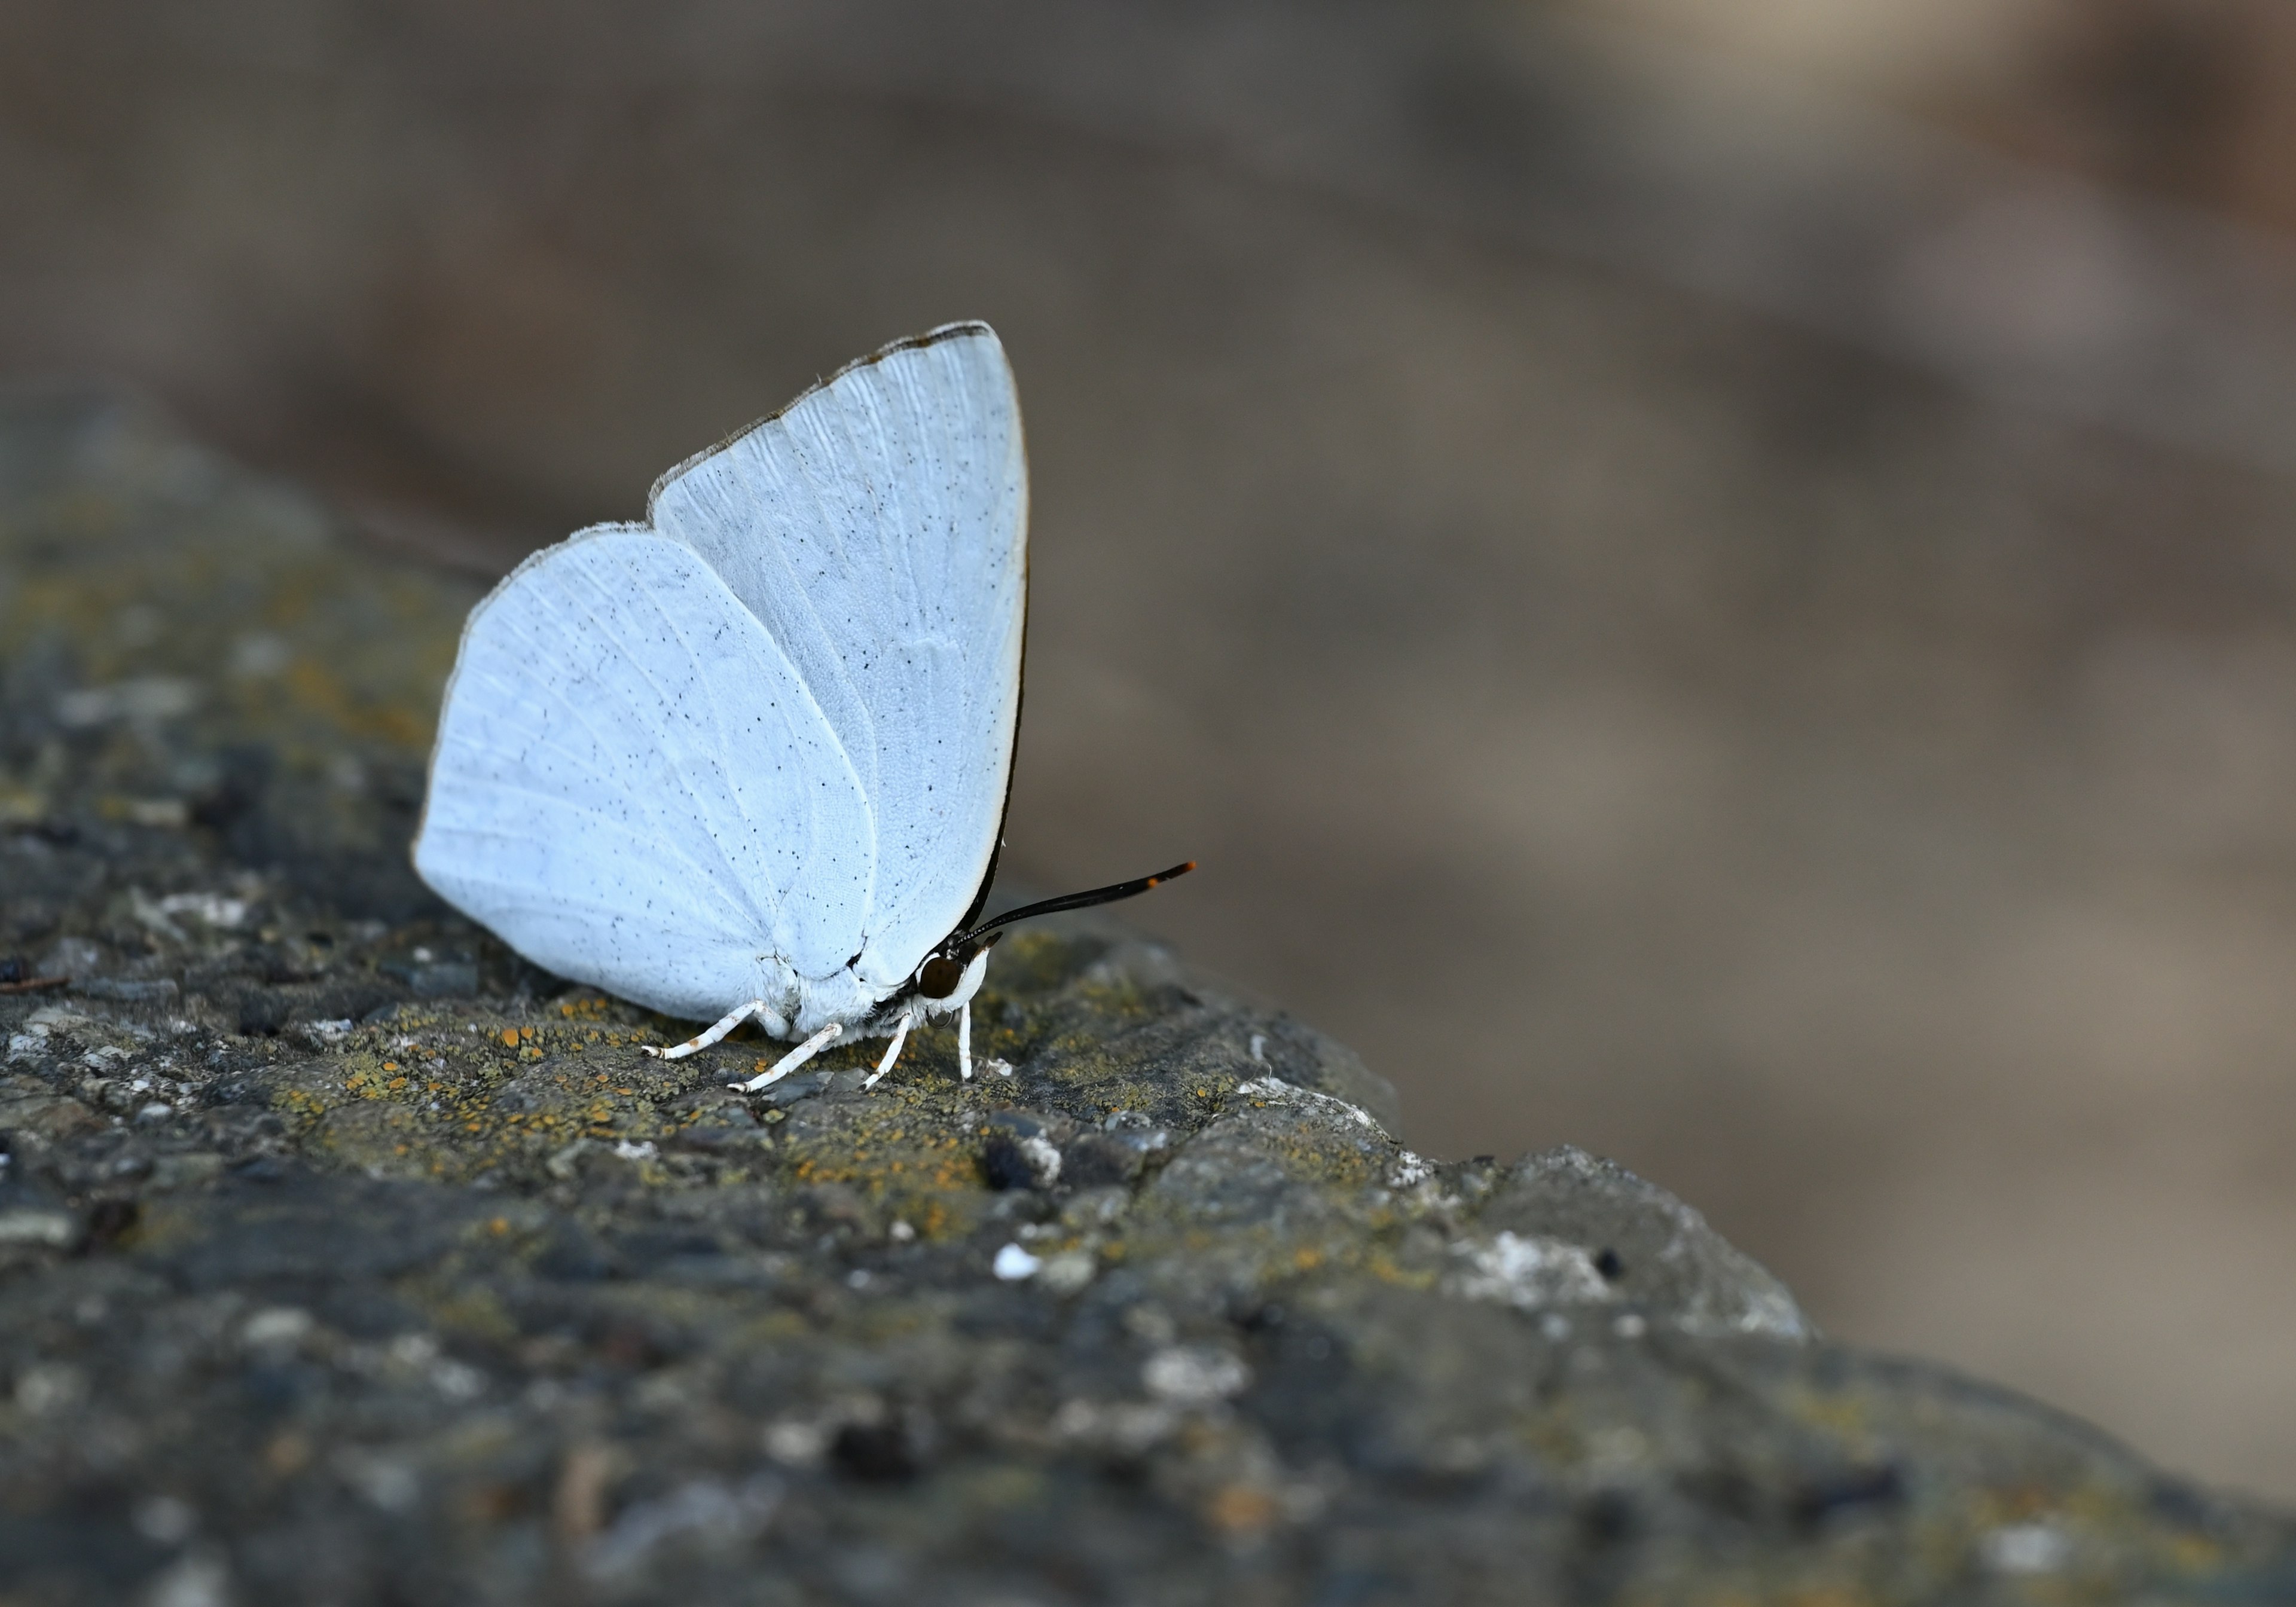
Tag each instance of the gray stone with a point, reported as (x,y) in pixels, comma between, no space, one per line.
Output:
(344,1256)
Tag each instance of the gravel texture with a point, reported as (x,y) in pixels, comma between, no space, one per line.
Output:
(344,1257)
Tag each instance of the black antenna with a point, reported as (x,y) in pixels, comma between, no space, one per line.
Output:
(1099,895)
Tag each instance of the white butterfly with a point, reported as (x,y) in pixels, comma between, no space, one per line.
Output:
(756,750)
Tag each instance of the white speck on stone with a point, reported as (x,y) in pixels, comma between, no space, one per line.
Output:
(146,698)
(1013,1263)
(276,1325)
(642,1150)
(996,1068)
(31,1225)
(859,1278)
(795,1442)
(1129,1426)
(2026,1548)
(155,1111)
(1194,1375)
(208,909)
(1528,1271)
(900,1233)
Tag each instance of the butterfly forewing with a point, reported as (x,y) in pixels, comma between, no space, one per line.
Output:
(877,526)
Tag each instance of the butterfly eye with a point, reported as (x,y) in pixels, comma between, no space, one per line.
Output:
(938,978)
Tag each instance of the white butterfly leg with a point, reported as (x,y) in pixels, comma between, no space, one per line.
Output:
(702,1040)
(964,1042)
(795,1058)
(892,1050)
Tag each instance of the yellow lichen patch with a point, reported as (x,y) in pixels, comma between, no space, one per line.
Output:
(300,1106)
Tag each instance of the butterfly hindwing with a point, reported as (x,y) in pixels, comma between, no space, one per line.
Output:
(634,787)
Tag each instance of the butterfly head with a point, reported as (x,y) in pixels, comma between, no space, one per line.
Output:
(945,970)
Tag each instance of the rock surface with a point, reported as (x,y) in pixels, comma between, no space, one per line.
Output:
(344,1257)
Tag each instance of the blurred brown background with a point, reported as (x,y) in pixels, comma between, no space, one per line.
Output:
(1715,582)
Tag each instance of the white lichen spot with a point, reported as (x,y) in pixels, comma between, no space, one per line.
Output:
(1068,1272)
(2026,1548)
(276,1325)
(1409,1171)
(1529,1272)
(145,701)
(642,1150)
(797,1442)
(1275,1090)
(208,909)
(39,1225)
(1044,1159)
(1194,1375)
(1127,1426)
